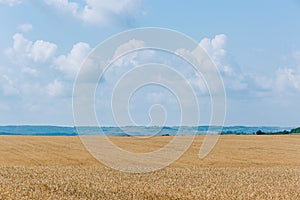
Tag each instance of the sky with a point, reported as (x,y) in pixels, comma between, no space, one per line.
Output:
(254,44)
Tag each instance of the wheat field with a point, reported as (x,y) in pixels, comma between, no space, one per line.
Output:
(239,167)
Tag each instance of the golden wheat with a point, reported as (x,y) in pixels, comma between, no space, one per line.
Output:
(239,167)
(171,183)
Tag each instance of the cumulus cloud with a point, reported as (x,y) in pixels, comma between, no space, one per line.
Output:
(24,49)
(70,64)
(64,5)
(215,48)
(282,80)
(98,12)
(11,2)
(55,88)
(126,47)
(210,57)
(42,50)
(233,78)
(287,78)
(25,27)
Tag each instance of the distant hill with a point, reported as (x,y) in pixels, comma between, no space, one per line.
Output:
(142,130)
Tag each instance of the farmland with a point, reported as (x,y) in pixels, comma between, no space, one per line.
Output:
(239,167)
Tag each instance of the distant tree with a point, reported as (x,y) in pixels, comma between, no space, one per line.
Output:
(286,132)
(259,132)
(281,132)
(295,130)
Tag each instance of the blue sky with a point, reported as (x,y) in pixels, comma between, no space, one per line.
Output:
(43,42)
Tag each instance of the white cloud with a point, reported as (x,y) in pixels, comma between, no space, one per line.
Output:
(64,5)
(11,2)
(98,12)
(215,48)
(24,49)
(55,88)
(282,81)
(279,82)
(126,47)
(210,55)
(25,27)
(21,46)
(287,78)
(233,78)
(42,50)
(70,64)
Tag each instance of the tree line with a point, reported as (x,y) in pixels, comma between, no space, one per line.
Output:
(292,131)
